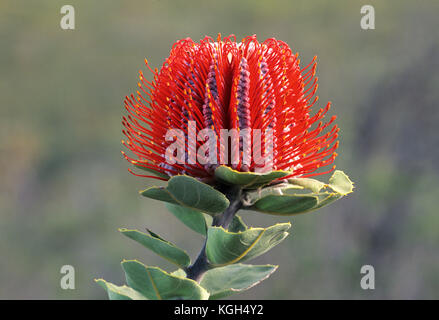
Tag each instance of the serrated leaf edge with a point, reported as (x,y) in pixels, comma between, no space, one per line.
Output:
(241,256)
(116,290)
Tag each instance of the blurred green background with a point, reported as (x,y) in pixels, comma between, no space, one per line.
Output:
(65,189)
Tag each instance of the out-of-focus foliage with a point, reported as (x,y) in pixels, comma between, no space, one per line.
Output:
(64,188)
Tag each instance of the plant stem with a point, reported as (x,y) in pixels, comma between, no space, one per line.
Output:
(199,267)
(235,197)
(201,264)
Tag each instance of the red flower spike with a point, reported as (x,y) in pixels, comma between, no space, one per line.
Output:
(224,84)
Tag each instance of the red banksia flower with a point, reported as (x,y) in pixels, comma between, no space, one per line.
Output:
(224,84)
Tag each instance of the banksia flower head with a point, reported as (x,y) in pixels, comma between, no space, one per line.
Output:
(182,120)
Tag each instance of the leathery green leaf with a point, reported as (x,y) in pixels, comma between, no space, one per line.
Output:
(224,281)
(311,184)
(247,179)
(285,204)
(156,284)
(327,198)
(340,183)
(288,201)
(191,193)
(120,292)
(179,273)
(237,224)
(158,193)
(225,247)
(191,218)
(163,248)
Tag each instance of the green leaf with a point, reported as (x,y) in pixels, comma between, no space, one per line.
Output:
(224,281)
(327,198)
(194,194)
(163,248)
(179,273)
(120,292)
(156,284)
(191,193)
(155,235)
(247,179)
(311,184)
(287,204)
(237,224)
(225,247)
(283,200)
(191,218)
(158,193)
(340,183)
(279,189)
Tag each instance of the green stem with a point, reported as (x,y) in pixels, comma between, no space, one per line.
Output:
(201,264)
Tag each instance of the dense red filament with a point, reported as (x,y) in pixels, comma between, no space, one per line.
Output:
(228,85)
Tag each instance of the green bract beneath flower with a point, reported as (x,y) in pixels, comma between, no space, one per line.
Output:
(189,192)
(247,180)
(266,193)
(299,195)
